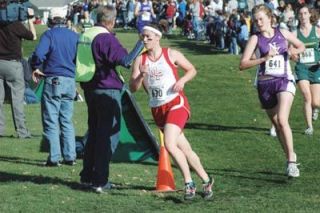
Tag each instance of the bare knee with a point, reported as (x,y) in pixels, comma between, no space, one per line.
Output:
(282,123)
(315,104)
(171,148)
(307,98)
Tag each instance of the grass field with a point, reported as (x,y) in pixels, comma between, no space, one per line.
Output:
(227,129)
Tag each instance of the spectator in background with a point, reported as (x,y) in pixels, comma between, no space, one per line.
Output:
(76,13)
(243,35)
(242,5)
(130,9)
(196,19)
(85,6)
(232,5)
(123,12)
(171,9)
(317,4)
(300,3)
(275,3)
(288,13)
(220,30)
(37,20)
(29,95)
(86,22)
(214,6)
(93,5)
(233,30)
(247,19)
(70,26)
(282,6)
(182,9)
(287,19)
(144,14)
(11,71)
(270,5)
(56,53)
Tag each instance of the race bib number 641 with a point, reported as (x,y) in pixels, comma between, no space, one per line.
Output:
(275,65)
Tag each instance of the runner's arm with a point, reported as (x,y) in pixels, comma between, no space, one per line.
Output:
(137,75)
(190,72)
(247,61)
(297,46)
(128,59)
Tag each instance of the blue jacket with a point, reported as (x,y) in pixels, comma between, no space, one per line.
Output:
(56,52)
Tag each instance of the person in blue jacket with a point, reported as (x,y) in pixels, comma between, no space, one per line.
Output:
(56,53)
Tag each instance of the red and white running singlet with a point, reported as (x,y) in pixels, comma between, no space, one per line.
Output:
(161,77)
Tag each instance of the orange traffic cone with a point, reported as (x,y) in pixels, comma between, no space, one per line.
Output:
(165,179)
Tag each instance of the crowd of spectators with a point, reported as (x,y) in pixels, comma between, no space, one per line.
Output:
(224,24)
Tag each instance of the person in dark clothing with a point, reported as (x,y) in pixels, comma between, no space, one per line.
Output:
(11,71)
(102,95)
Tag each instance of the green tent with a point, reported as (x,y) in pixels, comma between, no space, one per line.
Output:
(137,143)
(38,89)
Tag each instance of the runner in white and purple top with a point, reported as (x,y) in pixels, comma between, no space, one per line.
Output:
(275,81)
(281,45)
(276,72)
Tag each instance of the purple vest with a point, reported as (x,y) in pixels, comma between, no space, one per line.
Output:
(281,44)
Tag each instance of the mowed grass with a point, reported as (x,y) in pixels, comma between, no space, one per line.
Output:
(227,129)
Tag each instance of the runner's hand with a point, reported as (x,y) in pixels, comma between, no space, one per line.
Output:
(37,75)
(178,86)
(143,70)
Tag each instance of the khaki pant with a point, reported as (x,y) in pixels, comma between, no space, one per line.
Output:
(11,73)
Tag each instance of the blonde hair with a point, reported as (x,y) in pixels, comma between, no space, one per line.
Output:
(265,9)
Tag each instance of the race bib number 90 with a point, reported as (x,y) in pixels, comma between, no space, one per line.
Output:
(275,65)
(307,56)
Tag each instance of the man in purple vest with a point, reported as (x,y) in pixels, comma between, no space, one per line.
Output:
(103,98)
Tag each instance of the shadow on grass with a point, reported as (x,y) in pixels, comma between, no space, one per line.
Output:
(175,200)
(265,176)
(180,200)
(216,127)
(12,136)
(38,179)
(41,180)
(133,187)
(19,160)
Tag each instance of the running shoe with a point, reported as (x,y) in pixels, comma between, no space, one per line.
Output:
(207,189)
(308,131)
(190,191)
(315,114)
(49,163)
(292,170)
(69,162)
(273,132)
(102,189)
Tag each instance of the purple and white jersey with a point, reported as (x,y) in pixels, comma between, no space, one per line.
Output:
(145,10)
(277,66)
